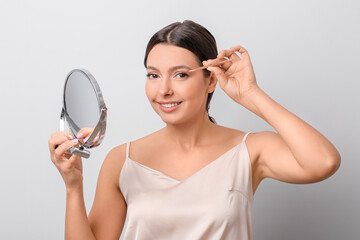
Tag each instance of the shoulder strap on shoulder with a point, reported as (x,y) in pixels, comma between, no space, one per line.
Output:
(127,149)
(245,136)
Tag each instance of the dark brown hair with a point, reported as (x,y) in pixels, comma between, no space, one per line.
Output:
(191,36)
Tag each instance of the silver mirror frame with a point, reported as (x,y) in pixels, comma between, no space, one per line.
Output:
(99,128)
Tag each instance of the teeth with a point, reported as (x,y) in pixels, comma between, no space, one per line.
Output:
(170,105)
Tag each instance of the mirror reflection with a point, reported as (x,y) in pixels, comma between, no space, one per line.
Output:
(81,103)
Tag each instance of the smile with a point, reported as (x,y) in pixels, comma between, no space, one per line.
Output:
(169,107)
(170,104)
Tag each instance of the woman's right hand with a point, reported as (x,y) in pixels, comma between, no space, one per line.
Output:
(69,165)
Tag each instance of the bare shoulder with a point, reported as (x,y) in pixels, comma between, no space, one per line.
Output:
(145,143)
(231,135)
(117,152)
(117,155)
(114,162)
(256,141)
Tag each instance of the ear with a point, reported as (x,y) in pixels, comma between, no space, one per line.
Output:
(212,83)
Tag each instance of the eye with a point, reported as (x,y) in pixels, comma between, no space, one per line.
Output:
(151,75)
(182,75)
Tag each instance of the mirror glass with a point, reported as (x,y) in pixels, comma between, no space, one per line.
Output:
(84,111)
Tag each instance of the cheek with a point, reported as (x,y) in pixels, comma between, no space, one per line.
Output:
(195,90)
(149,89)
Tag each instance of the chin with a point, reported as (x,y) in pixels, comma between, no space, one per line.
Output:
(171,120)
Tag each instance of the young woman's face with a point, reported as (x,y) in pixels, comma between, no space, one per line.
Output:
(176,94)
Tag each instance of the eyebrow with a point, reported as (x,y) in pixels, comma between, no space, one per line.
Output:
(171,69)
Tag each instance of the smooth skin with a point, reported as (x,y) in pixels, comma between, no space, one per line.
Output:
(295,153)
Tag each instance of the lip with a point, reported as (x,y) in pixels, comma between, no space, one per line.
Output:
(168,109)
(168,102)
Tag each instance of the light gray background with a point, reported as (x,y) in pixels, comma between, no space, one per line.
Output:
(305,56)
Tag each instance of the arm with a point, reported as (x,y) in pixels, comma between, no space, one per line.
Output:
(298,153)
(76,222)
(107,215)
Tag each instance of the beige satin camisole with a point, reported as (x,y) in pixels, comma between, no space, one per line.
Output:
(214,203)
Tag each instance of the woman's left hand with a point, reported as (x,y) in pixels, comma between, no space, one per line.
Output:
(236,77)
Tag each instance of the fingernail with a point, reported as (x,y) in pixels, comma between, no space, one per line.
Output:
(79,135)
(70,136)
(86,139)
(74,140)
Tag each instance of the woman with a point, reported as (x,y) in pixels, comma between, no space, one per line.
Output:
(192,179)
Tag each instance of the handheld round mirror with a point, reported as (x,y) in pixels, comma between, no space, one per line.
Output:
(84,111)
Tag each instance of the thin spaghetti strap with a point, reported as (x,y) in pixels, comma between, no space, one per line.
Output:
(245,137)
(127,149)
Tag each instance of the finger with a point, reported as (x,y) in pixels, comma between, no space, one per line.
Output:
(69,137)
(209,62)
(93,141)
(57,139)
(85,139)
(219,74)
(74,158)
(84,132)
(241,50)
(224,55)
(61,150)
(59,133)
(215,62)
(228,53)
(226,65)
(70,134)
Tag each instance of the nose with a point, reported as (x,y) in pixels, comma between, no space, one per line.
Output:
(165,87)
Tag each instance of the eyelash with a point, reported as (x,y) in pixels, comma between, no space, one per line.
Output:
(149,74)
(152,74)
(185,75)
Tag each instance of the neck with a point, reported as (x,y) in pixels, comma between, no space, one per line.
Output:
(188,135)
